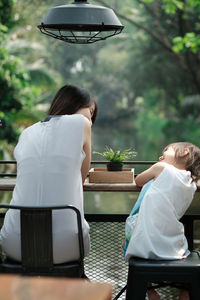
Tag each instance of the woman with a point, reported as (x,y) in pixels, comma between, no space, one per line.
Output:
(53,159)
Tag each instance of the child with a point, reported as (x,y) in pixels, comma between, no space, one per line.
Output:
(157,233)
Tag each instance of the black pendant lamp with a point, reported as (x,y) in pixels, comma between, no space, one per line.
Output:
(80,23)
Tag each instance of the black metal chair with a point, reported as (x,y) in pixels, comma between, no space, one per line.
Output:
(36,245)
(184,273)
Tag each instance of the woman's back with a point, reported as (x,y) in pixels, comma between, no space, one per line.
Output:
(49,157)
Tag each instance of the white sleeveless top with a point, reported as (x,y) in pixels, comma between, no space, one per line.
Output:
(49,157)
(158,233)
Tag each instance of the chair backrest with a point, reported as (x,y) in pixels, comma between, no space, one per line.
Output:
(36,238)
(188,222)
(36,235)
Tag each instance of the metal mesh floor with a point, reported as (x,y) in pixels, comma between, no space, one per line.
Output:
(105,261)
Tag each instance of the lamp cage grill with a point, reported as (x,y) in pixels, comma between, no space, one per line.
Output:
(80,23)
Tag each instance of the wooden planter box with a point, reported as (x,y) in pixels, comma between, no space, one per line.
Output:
(101,175)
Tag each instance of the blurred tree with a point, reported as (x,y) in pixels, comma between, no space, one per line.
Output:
(12,78)
(140,63)
(22,82)
(6,16)
(157,62)
(174,25)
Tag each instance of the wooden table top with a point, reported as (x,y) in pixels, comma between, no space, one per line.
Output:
(8,184)
(46,288)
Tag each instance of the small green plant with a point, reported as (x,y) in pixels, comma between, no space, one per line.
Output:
(118,155)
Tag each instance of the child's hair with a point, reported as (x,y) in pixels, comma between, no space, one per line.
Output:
(192,159)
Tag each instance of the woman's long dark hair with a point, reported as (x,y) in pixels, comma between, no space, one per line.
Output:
(69,99)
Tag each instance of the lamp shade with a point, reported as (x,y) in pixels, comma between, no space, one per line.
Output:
(80,22)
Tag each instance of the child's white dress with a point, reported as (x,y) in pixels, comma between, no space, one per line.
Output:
(49,158)
(158,233)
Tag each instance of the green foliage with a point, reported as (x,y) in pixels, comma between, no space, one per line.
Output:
(15,91)
(183,130)
(6,17)
(189,41)
(150,122)
(117,155)
(22,80)
(171,6)
(14,81)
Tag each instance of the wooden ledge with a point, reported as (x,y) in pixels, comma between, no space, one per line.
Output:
(8,184)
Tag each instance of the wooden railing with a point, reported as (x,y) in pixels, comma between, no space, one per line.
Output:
(13,162)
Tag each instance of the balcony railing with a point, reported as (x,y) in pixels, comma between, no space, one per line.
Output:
(13,162)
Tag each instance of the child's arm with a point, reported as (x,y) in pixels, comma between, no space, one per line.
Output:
(150,173)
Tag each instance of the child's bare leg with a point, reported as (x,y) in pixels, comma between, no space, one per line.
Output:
(184,295)
(153,294)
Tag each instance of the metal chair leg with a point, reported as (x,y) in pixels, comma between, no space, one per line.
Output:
(136,288)
(120,293)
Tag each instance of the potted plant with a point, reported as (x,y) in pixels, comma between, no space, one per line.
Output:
(116,158)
